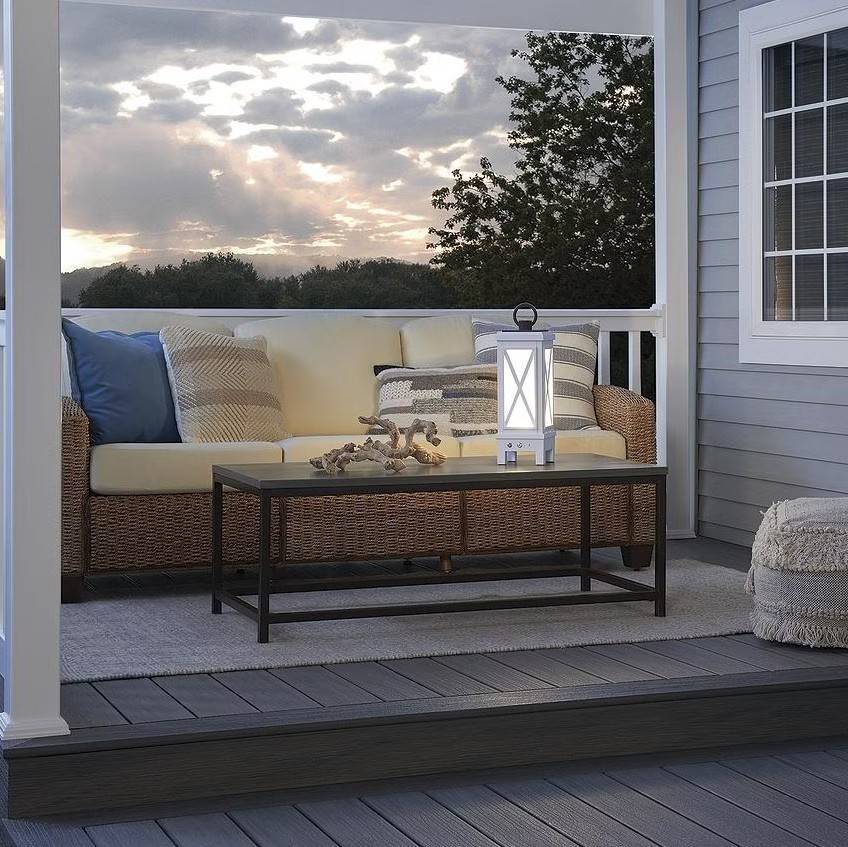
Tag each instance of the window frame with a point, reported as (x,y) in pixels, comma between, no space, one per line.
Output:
(816,343)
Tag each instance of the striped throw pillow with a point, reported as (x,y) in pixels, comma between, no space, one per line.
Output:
(575,359)
(223,388)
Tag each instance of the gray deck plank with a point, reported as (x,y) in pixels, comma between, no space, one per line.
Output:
(281,826)
(820,658)
(537,664)
(203,695)
(809,789)
(759,657)
(350,823)
(83,706)
(438,677)
(571,816)
(491,673)
(264,691)
(35,833)
(133,834)
(704,808)
(427,822)
(601,666)
(142,700)
(692,654)
(498,818)
(215,830)
(382,682)
(657,823)
(825,765)
(784,811)
(662,666)
(323,686)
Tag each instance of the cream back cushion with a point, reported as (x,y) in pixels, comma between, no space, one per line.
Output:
(223,388)
(443,341)
(324,366)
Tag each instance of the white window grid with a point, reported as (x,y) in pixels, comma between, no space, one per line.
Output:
(823,178)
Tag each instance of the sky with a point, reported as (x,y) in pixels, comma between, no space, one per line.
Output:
(184,132)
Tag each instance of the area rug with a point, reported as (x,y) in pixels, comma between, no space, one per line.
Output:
(177,634)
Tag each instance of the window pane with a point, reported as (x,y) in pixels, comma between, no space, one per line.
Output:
(837,287)
(809,215)
(777,289)
(777,156)
(809,143)
(777,218)
(777,77)
(809,288)
(837,64)
(809,70)
(837,213)
(837,139)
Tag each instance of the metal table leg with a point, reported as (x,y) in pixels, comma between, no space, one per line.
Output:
(585,536)
(264,565)
(659,547)
(217,545)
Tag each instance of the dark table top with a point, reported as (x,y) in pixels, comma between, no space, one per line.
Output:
(301,478)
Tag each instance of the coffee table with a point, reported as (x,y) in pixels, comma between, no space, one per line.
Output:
(299,479)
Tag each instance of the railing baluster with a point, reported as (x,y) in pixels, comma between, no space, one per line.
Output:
(604,357)
(634,361)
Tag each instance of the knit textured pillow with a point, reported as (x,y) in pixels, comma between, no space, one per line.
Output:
(223,387)
(575,358)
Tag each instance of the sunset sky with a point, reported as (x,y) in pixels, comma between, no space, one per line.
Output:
(189,131)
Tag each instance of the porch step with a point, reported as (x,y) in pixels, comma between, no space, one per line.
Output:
(176,760)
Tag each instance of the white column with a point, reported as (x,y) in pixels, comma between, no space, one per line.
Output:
(676,108)
(31,458)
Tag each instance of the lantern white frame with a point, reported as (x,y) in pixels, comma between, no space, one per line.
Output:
(526,387)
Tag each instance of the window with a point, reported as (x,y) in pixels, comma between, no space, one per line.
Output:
(794,183)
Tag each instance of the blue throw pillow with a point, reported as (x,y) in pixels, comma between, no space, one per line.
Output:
(121,382)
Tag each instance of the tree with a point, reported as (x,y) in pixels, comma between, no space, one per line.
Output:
(574,227)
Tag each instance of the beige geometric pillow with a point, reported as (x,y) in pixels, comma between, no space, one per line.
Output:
(223,388)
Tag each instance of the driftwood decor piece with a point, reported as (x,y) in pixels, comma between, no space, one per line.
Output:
(390,454)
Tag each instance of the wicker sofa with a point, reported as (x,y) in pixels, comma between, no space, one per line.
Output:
(141,507)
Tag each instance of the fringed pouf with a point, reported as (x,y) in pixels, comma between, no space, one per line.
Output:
(799,573)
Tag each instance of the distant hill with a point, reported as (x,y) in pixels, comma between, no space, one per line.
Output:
(72,281)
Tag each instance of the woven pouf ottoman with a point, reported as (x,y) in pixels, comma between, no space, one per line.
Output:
(799,573)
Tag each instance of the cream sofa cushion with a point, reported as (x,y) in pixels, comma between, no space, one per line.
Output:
(169,468)
(602,442)
(443,341)
(302,448)
(325,367)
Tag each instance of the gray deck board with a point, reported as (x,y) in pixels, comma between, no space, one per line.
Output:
(133,834)
(498,818)
(142,700)
(215,830)
(26,833)
(203,695)
(697,656)
(639,657)
(543,667)
(437,677)
(350,823)
(712,812)
(83,706)
(265,691)
(494,674)
(323,686)
(427,822)
(828,766)
(658,823)
(817,658)
(382,682)
(760,657)
(601,666)
(774,806)
(569,815)
(280,826)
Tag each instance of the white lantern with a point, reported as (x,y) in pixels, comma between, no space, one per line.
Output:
(525,391)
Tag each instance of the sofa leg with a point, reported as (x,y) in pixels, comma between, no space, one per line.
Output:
(72,588)
(446,563)
(637,556)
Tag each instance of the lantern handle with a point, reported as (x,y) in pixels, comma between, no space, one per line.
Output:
(524,325)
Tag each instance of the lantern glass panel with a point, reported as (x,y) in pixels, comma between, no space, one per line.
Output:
(549,386)
(519,388)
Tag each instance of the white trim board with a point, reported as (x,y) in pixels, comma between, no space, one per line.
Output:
(810,343)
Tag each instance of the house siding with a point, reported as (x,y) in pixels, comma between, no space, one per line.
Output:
(764,432)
